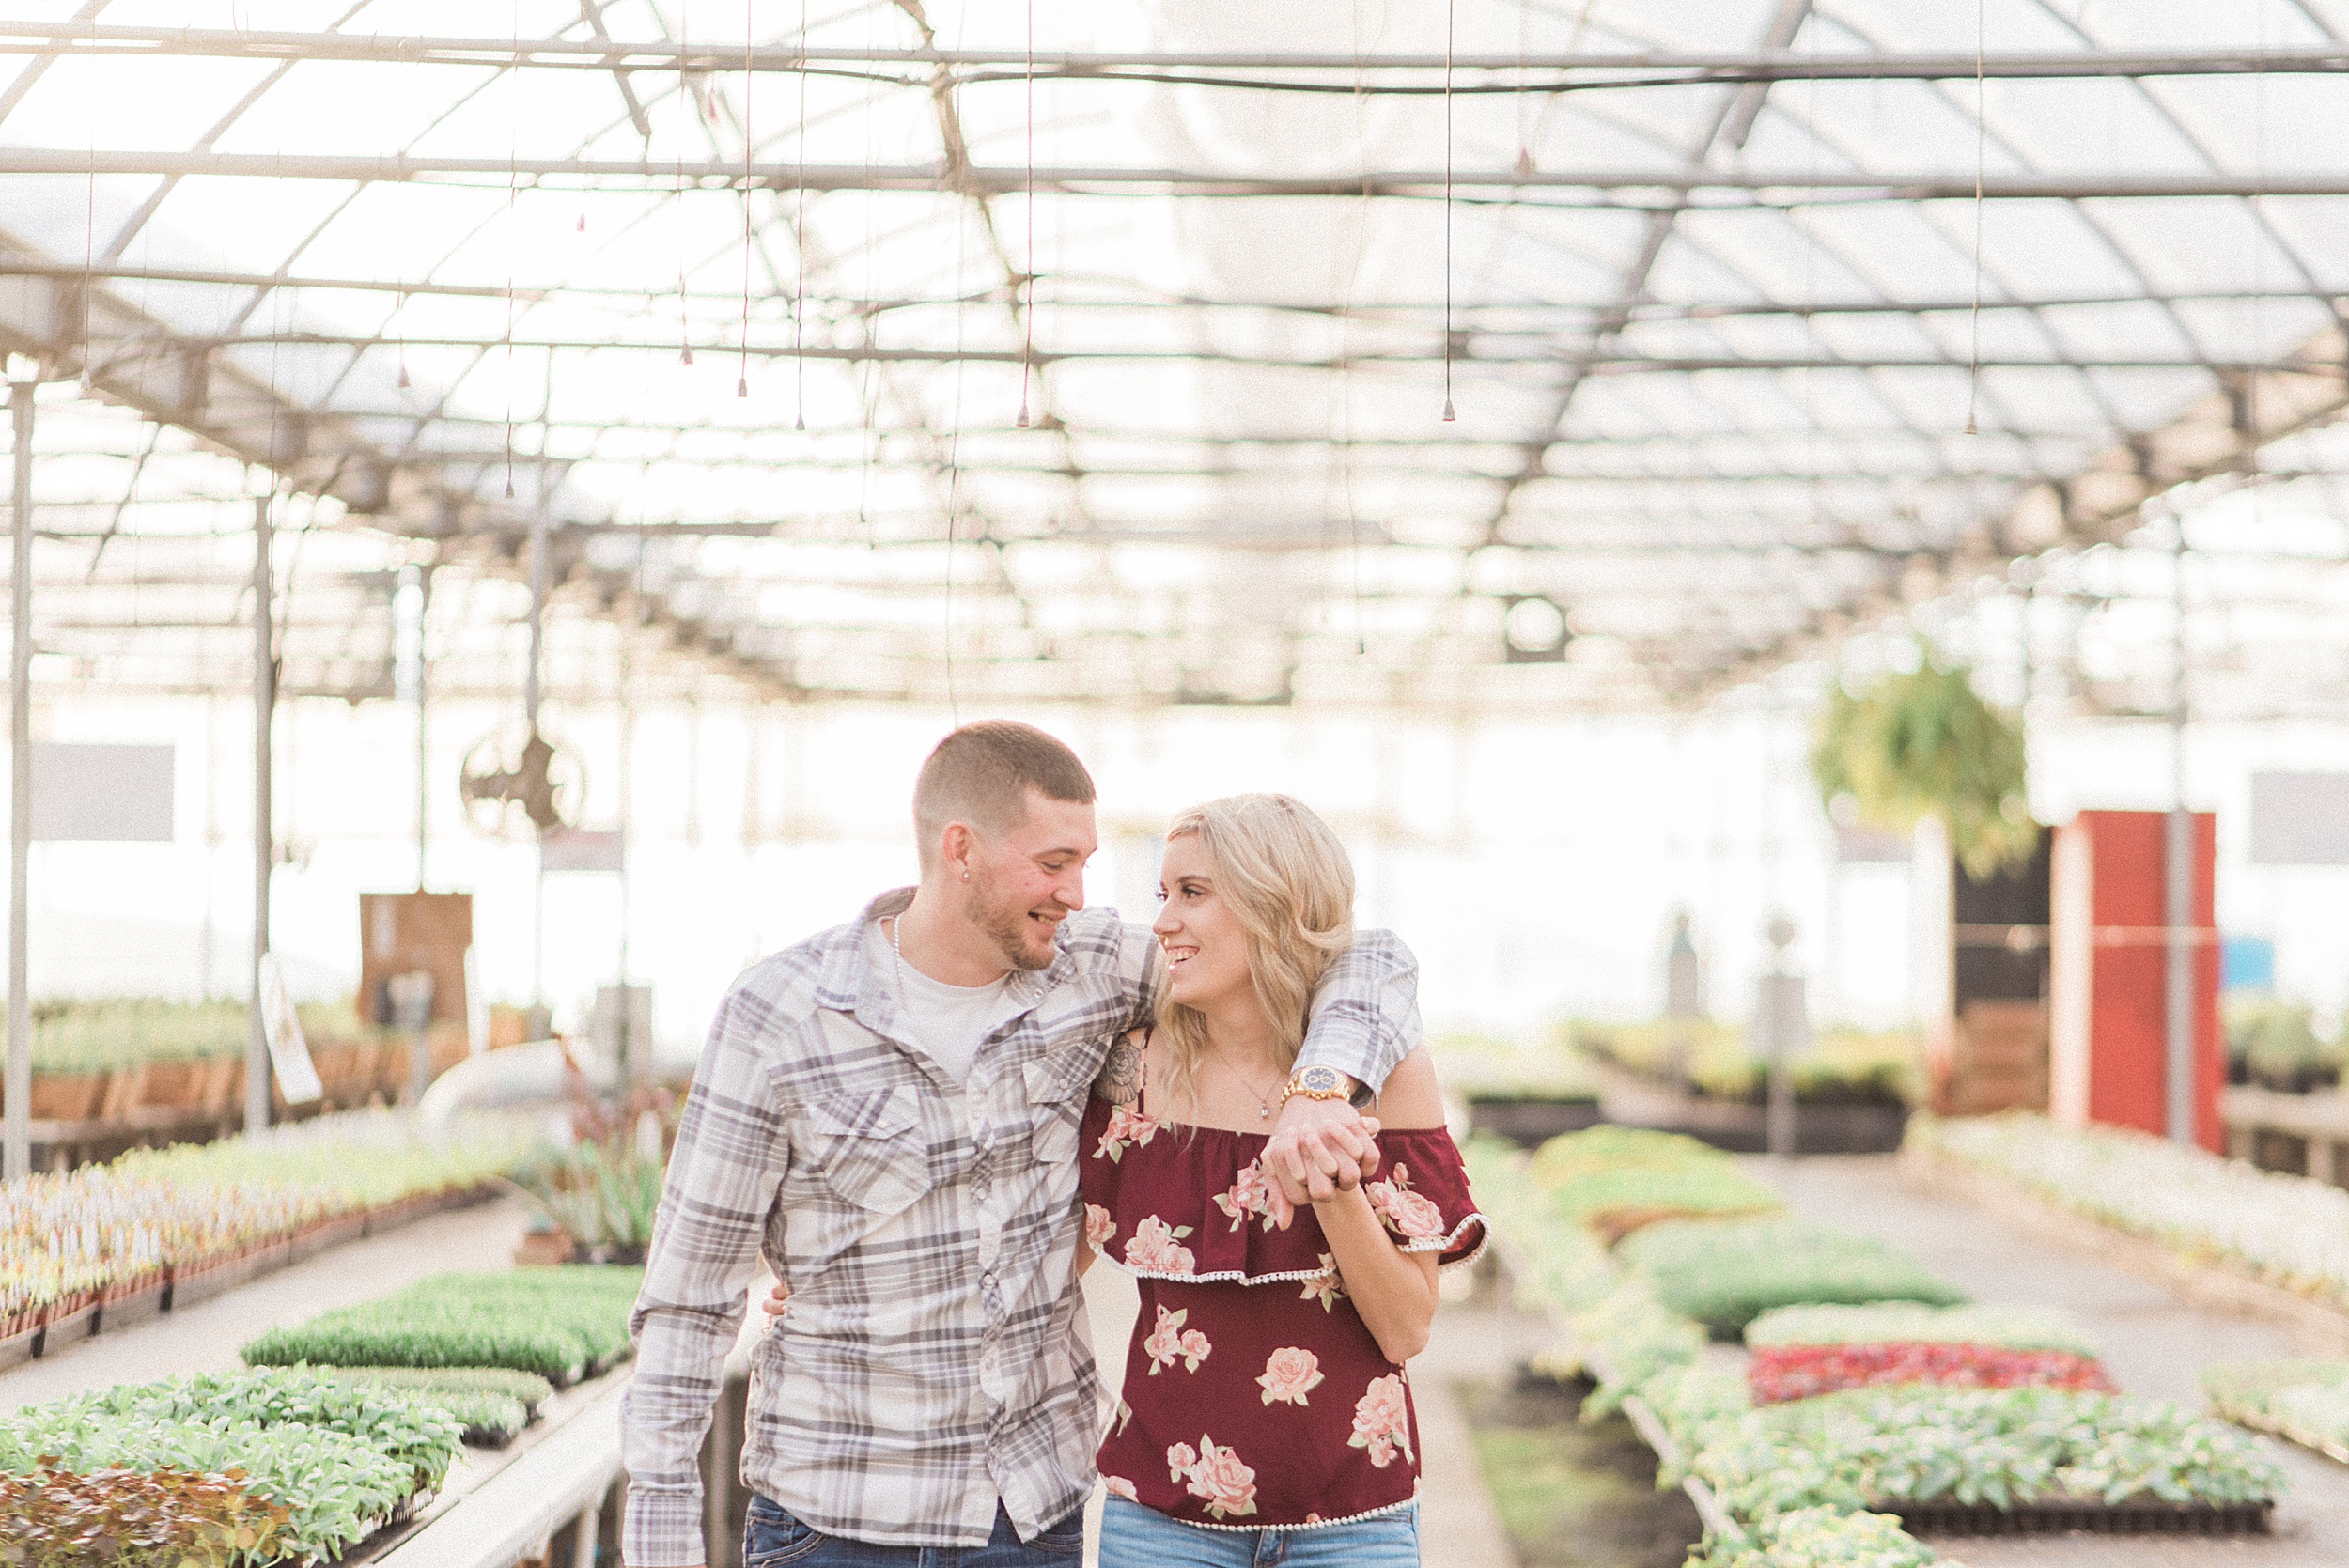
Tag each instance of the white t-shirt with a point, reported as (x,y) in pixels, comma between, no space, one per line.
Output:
(946,1021)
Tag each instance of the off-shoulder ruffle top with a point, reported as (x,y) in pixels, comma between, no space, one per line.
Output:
(1255,1396)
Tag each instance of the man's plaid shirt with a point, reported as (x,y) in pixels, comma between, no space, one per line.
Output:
(932,1358)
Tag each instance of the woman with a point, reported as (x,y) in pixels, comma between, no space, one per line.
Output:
(1265,1388)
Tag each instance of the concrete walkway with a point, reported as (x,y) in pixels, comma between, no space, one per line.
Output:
(2152,1339)
(205,1337)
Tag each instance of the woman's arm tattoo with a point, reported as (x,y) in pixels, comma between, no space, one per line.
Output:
(1120,1082)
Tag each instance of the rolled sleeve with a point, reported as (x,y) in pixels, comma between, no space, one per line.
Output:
(730,1157)
(1365,1011)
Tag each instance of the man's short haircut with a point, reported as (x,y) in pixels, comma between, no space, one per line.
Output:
(981,774)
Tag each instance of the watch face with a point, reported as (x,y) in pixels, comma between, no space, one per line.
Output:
(1323,1079)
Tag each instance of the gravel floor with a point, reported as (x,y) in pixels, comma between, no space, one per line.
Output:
(2154,1341)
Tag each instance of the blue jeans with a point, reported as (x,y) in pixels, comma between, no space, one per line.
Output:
(774,1539)
(1133,1536)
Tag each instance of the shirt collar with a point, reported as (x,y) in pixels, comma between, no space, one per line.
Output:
(847,982)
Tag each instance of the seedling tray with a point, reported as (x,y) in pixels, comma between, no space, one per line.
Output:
(68,1328)
(18,1347)
(136,1306)
(2054,1518)
(203,1283)
(350,1227)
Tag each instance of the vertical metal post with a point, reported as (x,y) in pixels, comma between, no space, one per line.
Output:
(583,1535)
(530,712)
(537,606)
(1832,930)
(18,1078)
(2178,859)
(257,1066)
(424,735)
(212,844)
(1785,1027)
(629,1067)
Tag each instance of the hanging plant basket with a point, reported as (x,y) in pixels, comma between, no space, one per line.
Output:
(1923,744)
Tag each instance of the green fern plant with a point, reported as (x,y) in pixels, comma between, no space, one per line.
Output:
(1925,744)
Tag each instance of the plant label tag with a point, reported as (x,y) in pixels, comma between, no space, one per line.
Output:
(288,1052)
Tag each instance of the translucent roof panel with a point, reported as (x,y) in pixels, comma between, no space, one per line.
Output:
(1199,352)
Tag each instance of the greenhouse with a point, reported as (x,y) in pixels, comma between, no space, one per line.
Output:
(1716,636)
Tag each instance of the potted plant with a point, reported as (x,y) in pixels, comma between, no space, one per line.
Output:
(71,1065)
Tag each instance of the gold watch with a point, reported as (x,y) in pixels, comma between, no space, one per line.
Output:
(1316,1084)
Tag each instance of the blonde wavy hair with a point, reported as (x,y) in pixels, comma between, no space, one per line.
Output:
(1289,883)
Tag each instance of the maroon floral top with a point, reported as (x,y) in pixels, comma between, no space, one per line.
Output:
(1255,1396)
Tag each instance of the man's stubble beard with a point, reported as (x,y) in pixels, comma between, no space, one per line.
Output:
(1007,927)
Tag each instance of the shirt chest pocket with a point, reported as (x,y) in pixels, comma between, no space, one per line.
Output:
(1057,1086)
(870,1147)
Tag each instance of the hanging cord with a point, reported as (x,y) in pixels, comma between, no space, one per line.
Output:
(1810,292)
(953,456)
(400,315)
(513,190)
(1525,131)
(869,398)
(1027,316)
(1449,9)
(89,255)
(1982,135)
(742,370)
(684,95)
(798,235)
(2259,261)
(1345,329)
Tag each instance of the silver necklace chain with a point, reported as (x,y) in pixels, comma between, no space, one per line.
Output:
(898,962)
(1264,1107)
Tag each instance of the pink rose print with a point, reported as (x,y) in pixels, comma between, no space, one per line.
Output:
(1414,1218)
(1405,1213)
(1170,1341)
(1118,1486)
(1325,1288)
(1382,1422)
(1125,1128)
(1215,1475)
(1100,1227)
(1153,1248)
(1289,1374)
(1251,1194)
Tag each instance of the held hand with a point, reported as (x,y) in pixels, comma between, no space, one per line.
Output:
(773,1306)
(1317,1148)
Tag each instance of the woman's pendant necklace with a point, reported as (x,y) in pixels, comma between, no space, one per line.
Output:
(1264,1107)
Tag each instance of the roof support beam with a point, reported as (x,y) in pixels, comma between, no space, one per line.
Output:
(661,176)
(1621,362)
(1537,312)
(1583,70)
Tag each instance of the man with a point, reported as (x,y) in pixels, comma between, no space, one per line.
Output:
(889,1110)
